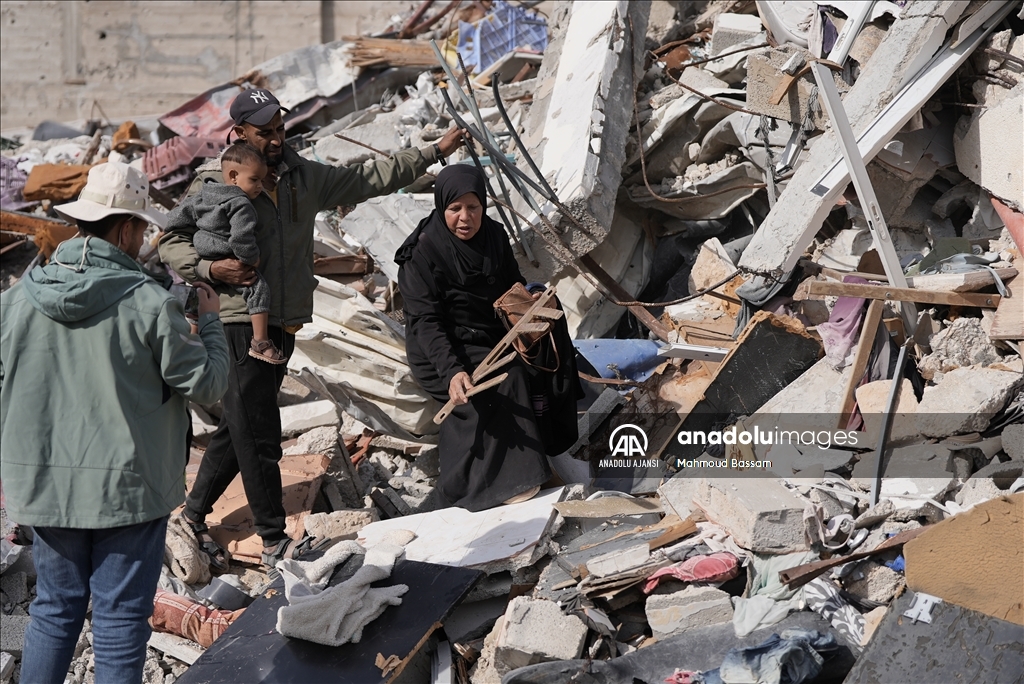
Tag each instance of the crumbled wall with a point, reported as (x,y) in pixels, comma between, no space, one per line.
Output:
(145,58)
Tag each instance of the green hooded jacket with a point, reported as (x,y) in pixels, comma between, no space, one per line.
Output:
(284,232)
(96,364)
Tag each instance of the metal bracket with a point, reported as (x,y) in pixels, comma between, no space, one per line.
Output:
(921,608)
(859,175)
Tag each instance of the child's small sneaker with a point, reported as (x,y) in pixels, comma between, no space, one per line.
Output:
(266,351)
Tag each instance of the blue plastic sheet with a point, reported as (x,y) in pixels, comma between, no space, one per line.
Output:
(633,359)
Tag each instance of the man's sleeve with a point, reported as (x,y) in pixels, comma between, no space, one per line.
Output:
(422,302)
(194,366)
(353,184)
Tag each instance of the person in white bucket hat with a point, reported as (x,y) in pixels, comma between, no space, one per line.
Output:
(97,364)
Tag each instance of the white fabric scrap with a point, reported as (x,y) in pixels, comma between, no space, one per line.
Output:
(337,615)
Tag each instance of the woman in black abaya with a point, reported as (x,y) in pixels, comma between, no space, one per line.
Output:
(494,445)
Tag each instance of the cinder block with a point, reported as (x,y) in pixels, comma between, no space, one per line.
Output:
(733,29)
(692,607)
(12,633)
(535,631)
(760,513)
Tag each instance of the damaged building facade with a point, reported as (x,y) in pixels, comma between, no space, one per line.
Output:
(787,240)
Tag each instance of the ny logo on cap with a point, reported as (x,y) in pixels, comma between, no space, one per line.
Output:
(258,96)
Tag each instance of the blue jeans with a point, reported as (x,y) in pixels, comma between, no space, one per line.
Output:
(119,567)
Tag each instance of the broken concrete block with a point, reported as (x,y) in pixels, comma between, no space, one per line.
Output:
(765,74)
(536,631)
(6,667)
(910,476)
(965,401)
(591,65)
(798,215)
(15,585)
(1013,441)
(340,524)
(732,29)
(875,583)
(989,535)
(304,417)
(692,607)
(963,343)
(872,400)
(324,440)
(760,513)
(619,561)
(483,670)
(989,146)
(677,495)
(977,490)
(12,633)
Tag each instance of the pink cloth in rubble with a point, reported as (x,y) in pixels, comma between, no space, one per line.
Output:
(716,567)
(839,334)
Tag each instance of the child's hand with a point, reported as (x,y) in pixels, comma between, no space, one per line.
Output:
(209,302)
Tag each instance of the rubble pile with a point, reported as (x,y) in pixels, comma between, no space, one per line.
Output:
(762,220)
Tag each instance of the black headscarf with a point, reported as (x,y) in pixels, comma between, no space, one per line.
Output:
(468,258)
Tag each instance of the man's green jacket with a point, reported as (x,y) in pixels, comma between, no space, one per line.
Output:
(285,231)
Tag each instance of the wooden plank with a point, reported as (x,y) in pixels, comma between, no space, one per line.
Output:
(819,289)
(346,264)
(860,360)
(971,281)
(18,222)
(616,290)
(175,646)
(1009,321)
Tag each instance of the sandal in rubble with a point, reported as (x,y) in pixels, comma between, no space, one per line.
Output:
(291,549)
(266,350)
(218,555)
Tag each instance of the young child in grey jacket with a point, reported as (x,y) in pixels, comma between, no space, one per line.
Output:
(226,222)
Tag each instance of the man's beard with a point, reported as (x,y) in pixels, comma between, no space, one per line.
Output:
(274,157)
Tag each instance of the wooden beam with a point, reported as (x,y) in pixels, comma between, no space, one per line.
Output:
(616,290)
(818,289)
(18,222)
(1008,323)
(860,360)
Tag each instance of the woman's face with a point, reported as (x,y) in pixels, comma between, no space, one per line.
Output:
(463,216)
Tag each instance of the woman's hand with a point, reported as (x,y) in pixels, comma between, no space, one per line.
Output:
(458,387)
(209,302)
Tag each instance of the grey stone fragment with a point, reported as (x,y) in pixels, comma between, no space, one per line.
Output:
(1013,441)
(964,343)
(876,583)
(535,631)
(965,400)
(6,667)
(1003,473)
(692,607)
(15,585)
(760,513)
(12,633)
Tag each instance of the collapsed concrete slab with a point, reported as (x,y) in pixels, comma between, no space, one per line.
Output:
(760,513)
(989,145)
(581,112)
(670,614)
(965,401)
(798,214)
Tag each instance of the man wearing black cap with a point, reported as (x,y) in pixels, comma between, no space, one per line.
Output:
(248,437)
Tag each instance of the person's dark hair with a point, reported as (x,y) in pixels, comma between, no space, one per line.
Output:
(242,153)
(101,227)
